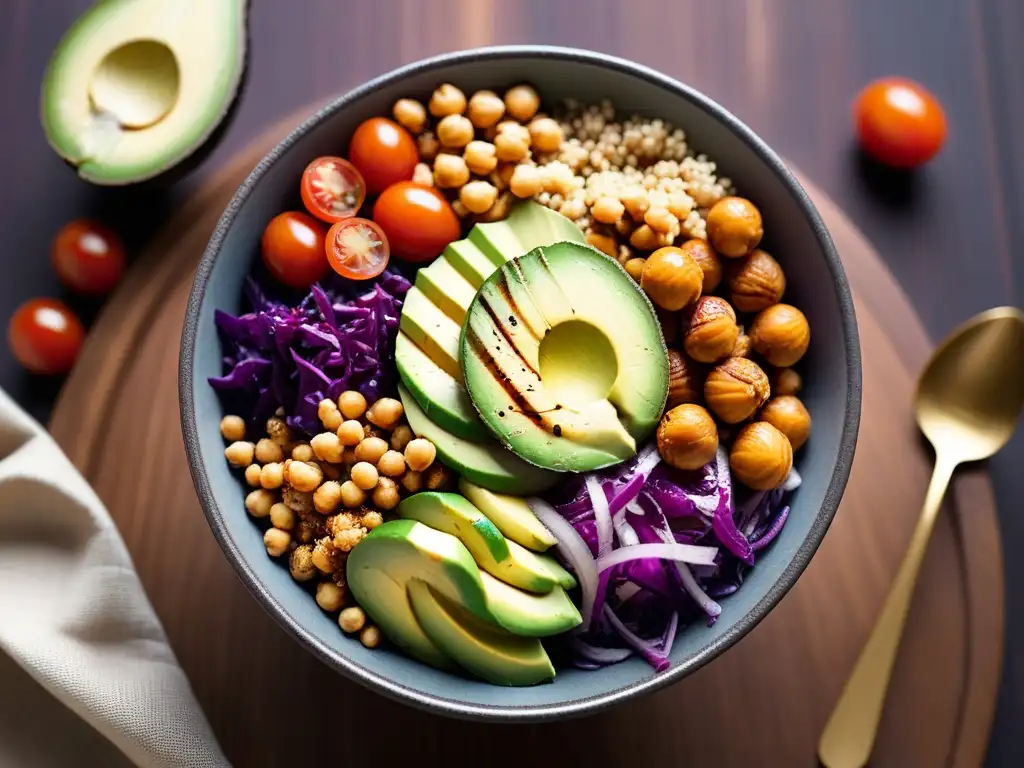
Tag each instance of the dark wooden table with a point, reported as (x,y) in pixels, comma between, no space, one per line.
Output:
(952,234)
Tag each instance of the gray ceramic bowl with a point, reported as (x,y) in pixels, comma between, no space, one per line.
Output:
(794,234)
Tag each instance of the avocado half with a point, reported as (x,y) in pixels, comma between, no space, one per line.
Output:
(136,87)
(564,359)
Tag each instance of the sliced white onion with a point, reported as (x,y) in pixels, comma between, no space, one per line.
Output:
(792,481)
(634,508)
(688,553)
(602,515)
(600,655)
(575,551)
(648,459)
(709,606)
(625,534)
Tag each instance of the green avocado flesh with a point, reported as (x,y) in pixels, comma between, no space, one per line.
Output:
(486,463)
(136,86)
(511,515)
(384,572)
(503,559)
(564,359)
(427,351)
(488,652)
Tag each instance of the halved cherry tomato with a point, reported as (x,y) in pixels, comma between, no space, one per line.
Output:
(418,220)
(332,189)
(45,336)
(293,249)
(384,153)
(899,122)
(88,257)
(357,249)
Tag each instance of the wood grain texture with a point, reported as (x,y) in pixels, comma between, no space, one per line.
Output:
(785,674)
(950,234)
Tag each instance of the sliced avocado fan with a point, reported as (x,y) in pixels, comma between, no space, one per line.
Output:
(427,349)
(384,573)
(503,559)
(136,86)
(564,359)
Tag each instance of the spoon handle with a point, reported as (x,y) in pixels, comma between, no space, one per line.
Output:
(849,734)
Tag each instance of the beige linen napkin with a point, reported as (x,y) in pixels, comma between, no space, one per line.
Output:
(86,675)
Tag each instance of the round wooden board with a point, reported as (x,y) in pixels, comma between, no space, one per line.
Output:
(763,703)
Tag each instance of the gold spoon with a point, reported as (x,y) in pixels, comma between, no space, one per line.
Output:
(968,401)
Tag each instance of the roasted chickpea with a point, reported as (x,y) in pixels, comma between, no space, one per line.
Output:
(370,636)
(526,181)
(661,221)
(352,496)
(412,481)
(786,381)
(685,379)
(761,456)
(687,437)
(371,449)
(351,404)
(252,475)
(735,389)
(330,596)
(486,108)
(455,131)
(232,428)
(329,415)
(481,157)
(635,268)
(267,451)
(545,134)
(419,454)
(428,147)
(606,245)
(259,502)
(282,516)
(327,497)
(478,196)
(644,238)
(450,171)
(272,475)
(756,281)
(350,433)
(385,495)
(276,541)
(301,563)
(671,278)
(239,454)
(327,446)
(279,432)
(365,475)
(391,464)
(447,100)
(370,519)
(401,437)
(780,334)
(410,114)
(734,226)
(352,620)
(511,147)
(385,413)
(711,332)
(423,174)
(522,102)
(788,415)
(303,452)
(436,477)
(304,476)
(607,209)
(708,262)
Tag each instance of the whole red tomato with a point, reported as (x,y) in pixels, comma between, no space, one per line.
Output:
(293,249)
(899,122)
(417,219)
(384,153)
(88,257)
(45,336)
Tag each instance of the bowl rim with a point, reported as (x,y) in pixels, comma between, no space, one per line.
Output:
(589,704)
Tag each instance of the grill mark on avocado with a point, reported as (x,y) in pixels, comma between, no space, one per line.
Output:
(505,334)
(502,287)
(526,287)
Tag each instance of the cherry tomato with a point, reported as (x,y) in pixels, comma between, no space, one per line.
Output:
(293,249)
(88,257)
(45,336)
(332,189)
(384,153)
(418,220)
(357,249)
(899,122)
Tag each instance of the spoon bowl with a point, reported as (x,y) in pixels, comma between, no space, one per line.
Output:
(972,392)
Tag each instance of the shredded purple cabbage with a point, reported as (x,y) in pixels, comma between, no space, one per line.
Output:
(639,604)
(291,355)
